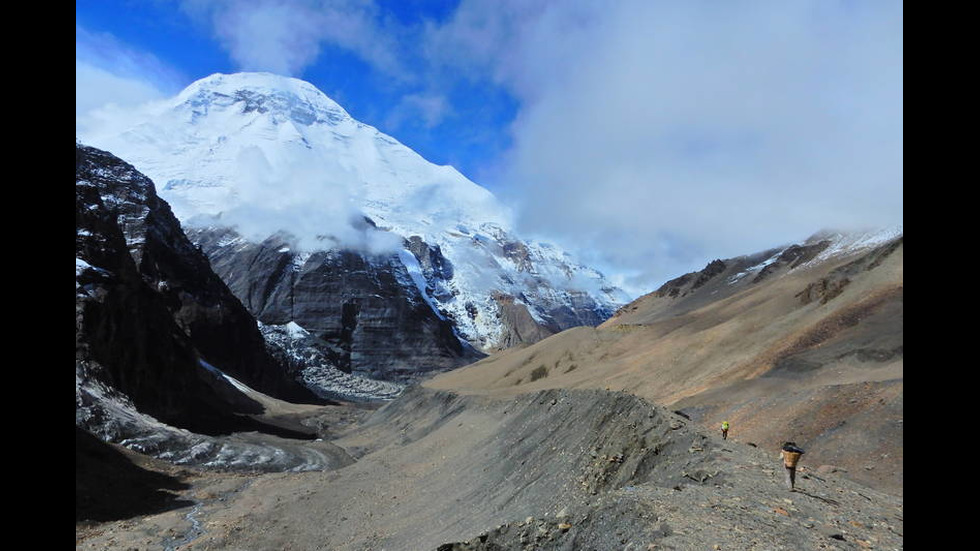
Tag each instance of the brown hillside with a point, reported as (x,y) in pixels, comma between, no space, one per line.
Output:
(795,351)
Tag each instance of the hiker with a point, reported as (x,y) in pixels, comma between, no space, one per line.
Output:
(790,455)
(724,430)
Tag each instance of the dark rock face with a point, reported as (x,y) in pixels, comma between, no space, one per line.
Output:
(579,310)
(148,309)
(792,257)
(518,253)
(828,288)
(365,308)
(687,283)
(434,265)
(369,312)
(303,353)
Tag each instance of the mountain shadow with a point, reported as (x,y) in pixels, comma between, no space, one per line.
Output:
(110,486)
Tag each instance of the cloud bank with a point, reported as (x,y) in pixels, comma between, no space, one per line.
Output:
(658,135)
(314,199)
(110,75)
(650,137)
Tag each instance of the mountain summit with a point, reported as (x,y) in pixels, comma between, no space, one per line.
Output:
(271,144)
(313,218)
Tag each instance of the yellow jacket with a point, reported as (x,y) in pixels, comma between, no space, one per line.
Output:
(790,459)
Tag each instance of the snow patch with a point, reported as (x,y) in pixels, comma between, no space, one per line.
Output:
(81,266)
(846,243)
(234,382)
(316,372)
(756,268)
(415,272)
(294,331)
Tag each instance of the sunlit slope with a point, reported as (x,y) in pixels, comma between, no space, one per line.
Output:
(810,350)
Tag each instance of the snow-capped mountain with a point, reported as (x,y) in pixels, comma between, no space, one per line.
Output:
(272,157)
(269,143)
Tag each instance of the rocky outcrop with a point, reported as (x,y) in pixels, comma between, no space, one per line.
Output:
(520,327)
(304,353)
(366,309)
(149,312)
(435,266)
(827,288)
(792,257)
(688,283)
(126,338)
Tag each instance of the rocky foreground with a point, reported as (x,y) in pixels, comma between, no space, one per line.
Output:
(555,469)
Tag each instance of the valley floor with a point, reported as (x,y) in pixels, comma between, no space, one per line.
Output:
(555,469)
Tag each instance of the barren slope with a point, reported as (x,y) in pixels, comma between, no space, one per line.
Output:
(529,450)
(810,353)
(555,469)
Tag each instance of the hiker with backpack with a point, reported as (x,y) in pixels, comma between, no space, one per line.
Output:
(790,455)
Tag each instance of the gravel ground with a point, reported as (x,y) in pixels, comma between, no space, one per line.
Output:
(556,469)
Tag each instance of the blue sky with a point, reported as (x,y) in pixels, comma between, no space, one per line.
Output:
(650,137)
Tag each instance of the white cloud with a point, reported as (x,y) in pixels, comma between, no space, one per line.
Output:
(657,136)
(111,75)
(420,109)
(285,37)
(318,199)
(651,136)
(96,87)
